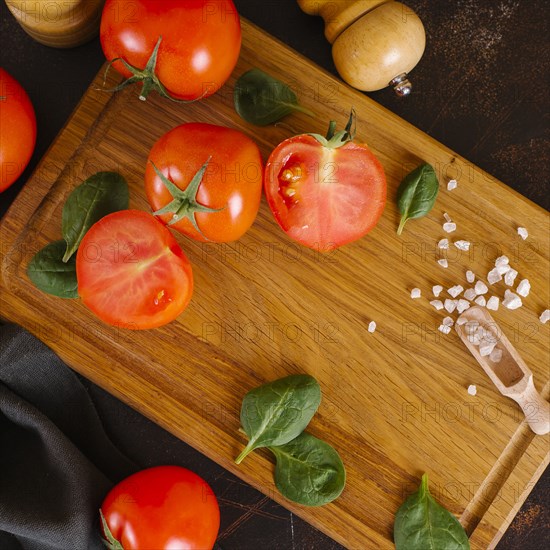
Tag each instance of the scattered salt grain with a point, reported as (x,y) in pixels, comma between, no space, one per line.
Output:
(472,390)
(480,301)
(494,276)
(443,244)
(510,277)
(481,288)
(493,303)
(523,233)
(463,245)
(486,348)
(502,260)
(444,329)
(450,305)
(447,217)
(415,293)
(437,290)
(454,291)
(524,288)
(496,355)
(503,269)
(372,326)
(545,316)
(462,305)
(470,276)
(511,300)
(448,321)
(470,294)
(443,263)
(438,304)
(453,184)
(449,227)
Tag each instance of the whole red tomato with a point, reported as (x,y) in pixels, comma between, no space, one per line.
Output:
(162,508)
(131,272)
(17,129)
(198,44)
(205,181)
(325,192)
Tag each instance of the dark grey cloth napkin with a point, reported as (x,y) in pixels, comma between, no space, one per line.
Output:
(56,461)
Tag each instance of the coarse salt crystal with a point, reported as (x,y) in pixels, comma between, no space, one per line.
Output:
(444,329)
(454,291)
(493,303)
(470,294)
(474,339)
(438,304)
(480,301)
(437,290)
(448,321)
(510,277)
(494,276)
(453,184)
(470,276)
(461,321)
(502,260)
(443,244)
(463,245)
(523,233)
(372,326)
(524,288)
(481,288)
(545,316)
(511,300)
(486,348)
(447,217)
(496,355)
(449,227)
(443,263)
(415,293)
(472,327)
(450,305)
(503,269)
(462,305)
(472,390)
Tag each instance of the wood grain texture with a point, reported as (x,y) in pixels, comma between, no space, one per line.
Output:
(395,402)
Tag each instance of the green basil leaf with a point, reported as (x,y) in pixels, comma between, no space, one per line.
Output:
(261,99)
(309,471)
(101,194)
(50,274)
(422,524)
(417,194)
(276,413)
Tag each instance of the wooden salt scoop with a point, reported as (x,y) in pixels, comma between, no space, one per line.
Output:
(510,375)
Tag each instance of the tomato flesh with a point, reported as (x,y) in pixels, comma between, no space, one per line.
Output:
(17,130)
(131,272)
(165,508)
(324,197)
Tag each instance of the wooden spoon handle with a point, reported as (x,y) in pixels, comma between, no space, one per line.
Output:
(536,409)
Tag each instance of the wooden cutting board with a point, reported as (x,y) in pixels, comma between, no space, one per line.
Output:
(395,403)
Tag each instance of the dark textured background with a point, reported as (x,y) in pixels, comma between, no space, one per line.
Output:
(481,89)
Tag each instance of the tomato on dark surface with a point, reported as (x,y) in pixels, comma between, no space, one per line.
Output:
(162,508)
(227,170)
(200,42)
(131,272)
(17,129)
(325,193)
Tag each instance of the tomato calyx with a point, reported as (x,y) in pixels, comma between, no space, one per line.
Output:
(148,76)
(334,139)
(184,202)
(109,541)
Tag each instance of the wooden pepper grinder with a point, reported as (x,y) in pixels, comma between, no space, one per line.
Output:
(375,43)
(61,24)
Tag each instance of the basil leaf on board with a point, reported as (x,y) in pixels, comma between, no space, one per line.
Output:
(50,274)
(277,412)
(417,194)
(101,194)
(309,471)
(422,524)
(261,99)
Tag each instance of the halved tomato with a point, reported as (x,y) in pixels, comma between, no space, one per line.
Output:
(131,272)
(325,192)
